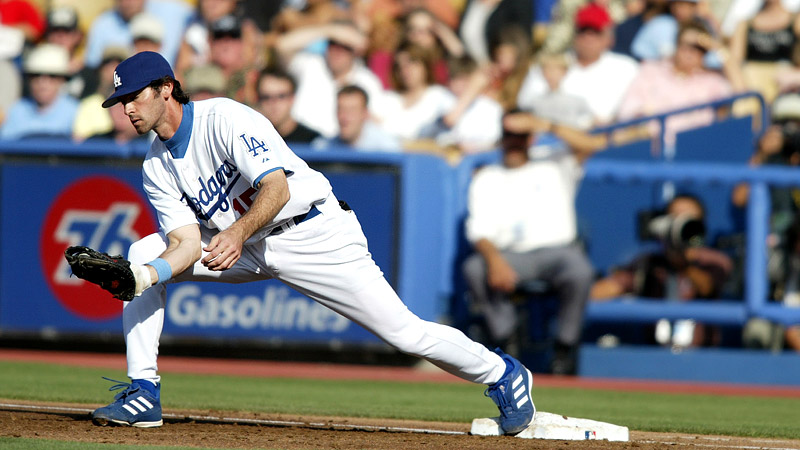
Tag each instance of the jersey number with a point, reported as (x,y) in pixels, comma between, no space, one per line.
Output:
(246,198)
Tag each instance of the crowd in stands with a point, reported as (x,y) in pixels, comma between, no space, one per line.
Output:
(437,75)
(432,76)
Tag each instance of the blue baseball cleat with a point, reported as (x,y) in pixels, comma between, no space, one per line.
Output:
(512,395)
(136,406)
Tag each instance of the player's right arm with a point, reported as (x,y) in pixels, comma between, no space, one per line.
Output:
(225,247)
(183,250)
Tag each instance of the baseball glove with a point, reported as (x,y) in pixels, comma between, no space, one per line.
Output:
(112,273)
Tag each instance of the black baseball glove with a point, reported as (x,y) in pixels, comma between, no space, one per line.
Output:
(112,273)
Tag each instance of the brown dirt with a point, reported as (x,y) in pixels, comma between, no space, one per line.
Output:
(71,423)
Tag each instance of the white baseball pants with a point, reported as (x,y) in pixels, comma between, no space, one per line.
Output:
(326,258)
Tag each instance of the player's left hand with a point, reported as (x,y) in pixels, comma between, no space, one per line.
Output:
(223,251)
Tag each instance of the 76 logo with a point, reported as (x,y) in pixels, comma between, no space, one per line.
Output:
(108,231)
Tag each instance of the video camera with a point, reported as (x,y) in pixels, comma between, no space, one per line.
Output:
(674,231)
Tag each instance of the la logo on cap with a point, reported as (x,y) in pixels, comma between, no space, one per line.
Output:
(117,80)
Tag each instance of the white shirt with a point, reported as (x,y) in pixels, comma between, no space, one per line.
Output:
(525,208)
(207,172)
(415,121)
(315,100)
(478,129)
(602,84)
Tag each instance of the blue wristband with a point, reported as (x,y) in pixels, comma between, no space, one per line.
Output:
(163,270)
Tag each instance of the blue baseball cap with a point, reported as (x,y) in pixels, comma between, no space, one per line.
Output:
(136,73)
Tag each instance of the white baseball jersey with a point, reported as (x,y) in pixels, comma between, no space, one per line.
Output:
(208,171)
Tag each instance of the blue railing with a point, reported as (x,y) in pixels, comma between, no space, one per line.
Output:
(755,302)
(659,139)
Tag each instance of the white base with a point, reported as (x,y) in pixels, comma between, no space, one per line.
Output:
(555,426)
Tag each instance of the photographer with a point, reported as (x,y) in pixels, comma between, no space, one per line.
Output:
(684,270)
(780,145)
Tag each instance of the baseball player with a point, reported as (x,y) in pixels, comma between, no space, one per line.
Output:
(235,204)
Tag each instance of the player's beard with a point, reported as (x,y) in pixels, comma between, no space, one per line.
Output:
(147,119)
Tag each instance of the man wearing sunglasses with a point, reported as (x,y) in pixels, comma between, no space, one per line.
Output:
(276,90)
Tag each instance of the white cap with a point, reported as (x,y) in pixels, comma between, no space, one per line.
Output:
(47,59)
(147,26)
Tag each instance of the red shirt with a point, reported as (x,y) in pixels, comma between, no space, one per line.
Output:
(21,12)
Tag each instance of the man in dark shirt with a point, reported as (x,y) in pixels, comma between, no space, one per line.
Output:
(276,91)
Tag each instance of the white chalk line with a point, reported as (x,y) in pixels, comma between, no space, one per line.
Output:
(269,422)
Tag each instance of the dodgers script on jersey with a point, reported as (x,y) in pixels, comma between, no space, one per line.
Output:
(209,170)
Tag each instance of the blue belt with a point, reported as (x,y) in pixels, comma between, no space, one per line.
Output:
(294,221)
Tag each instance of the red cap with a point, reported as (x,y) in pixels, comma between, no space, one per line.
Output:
(593,16)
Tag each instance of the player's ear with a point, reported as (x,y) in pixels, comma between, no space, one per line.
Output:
(166,90)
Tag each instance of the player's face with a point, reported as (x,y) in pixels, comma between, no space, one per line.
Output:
(145,109)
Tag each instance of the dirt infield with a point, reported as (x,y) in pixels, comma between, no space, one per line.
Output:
(248,431)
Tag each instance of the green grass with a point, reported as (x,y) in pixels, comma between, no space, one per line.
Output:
(698,414)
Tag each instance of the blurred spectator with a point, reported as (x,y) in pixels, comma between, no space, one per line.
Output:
(62,29)
(412,110)
(510,61)
(48,111)
(20,23)
(112,28)
(554,104)
(10,88)
(597,75)
(679,81)
(228,52)
(738,11)
(147,33)
(204,82)
(195,49)
(261,13)
(421,28)
(483,20)
(685,269)
(23,16)
(379,13)
(514,245)
(122,132)
(276,96)
(502,78)
(320,77)
(478,128)
(626,31)
(312,13)
(561,29)
(91,118)
(763,44)
(356,130)
(656,39)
